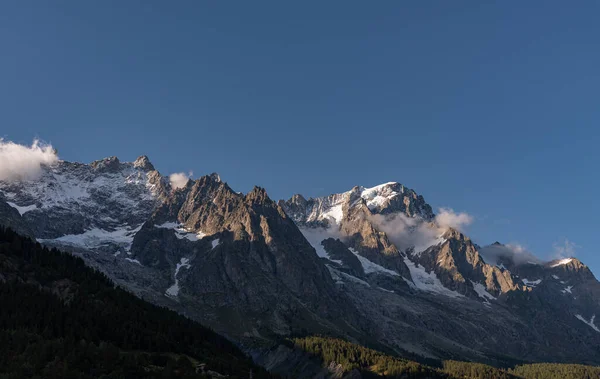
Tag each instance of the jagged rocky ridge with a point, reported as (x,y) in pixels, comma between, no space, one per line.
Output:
(256,270)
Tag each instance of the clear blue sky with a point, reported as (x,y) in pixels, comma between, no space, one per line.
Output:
(491,108)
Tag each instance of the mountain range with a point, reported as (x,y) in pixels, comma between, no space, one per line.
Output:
(374,266)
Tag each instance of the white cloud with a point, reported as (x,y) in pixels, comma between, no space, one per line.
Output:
(20,162)
(565,249)
(447,218)
(406,232)
(515,252)
(179,179)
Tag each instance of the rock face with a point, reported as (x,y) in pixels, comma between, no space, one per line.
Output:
(371,265)
(10,215)
(247,260)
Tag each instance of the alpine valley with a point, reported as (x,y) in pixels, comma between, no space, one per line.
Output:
(373,266)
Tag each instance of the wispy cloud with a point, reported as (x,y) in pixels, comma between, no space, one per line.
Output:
(20,162)
(565,249)
(514,252)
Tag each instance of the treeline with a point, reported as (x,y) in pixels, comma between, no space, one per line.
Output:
(473,370)
(355,357)
(557,371)
(371,363)
(63,319)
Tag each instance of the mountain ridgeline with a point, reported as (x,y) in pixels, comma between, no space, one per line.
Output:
(374,266)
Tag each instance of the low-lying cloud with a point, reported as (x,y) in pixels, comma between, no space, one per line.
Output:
(179,179)
(516,253)
(406,232)
(20,162)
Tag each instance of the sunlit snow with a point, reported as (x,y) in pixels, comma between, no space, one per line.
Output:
(378,195)
(428,281)
(562,262)
(334,213)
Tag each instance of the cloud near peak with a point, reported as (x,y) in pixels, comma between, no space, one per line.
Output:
(565,249)
(179,179)
(406,232)
(447,218)
(20,162)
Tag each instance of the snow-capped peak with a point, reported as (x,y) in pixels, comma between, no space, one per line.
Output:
(562,262)
(378,195)
(77,198)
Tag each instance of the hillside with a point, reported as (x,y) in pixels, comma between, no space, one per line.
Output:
(351,360)
(62,319)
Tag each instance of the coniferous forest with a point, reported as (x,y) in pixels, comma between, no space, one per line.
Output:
(62,319)
(372,363)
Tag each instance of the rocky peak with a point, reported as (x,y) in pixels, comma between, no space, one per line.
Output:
(298,200)
(110,164)
(393,197)
(257,195)
(384,199)
(570,267)
(142,162)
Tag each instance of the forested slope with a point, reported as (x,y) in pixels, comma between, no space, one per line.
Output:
(62,319)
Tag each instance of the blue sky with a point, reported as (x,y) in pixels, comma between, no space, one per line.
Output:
(490,109)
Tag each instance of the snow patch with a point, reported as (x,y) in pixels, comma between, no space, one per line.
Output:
(354,279)
(215,243)
(22,209)
(181,232)
(315,236)
(93,238)
(567,289)
(340,276)
(555,277)
(133,261)
(482,291)
(173,291)
(371,267)
(589,323)
(428,282)
(335,213)
(531,283)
